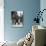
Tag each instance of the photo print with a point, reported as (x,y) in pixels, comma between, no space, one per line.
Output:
(17,18)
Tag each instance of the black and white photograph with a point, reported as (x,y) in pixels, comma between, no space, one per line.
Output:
(17,18)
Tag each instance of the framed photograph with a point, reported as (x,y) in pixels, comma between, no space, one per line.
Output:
(17,18)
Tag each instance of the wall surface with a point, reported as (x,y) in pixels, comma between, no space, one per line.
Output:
(30,7)
(43,6)
(1,20)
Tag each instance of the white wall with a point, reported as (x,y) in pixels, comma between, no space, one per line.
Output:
(1,21)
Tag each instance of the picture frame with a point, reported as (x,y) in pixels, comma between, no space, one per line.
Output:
(17,18)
